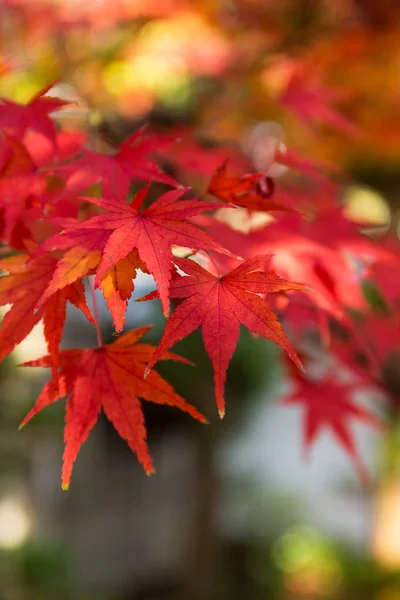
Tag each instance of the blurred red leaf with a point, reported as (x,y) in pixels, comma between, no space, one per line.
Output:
(328,404)
(18,119)
(117,171)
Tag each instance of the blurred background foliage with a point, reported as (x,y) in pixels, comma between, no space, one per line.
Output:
(215,524)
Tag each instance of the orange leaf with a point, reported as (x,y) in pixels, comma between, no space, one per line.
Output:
(24,288)
(117,286)
(75,264)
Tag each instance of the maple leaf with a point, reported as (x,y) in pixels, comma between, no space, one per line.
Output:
(250,191)
(82,258)
(117,171)
(108,378)
(26,192)
(18,118)
(15,157)
(118,285)
(220,304)
(328,405)
(152,231)
(75,264)
(71,237)
(19,180)
(23,287)
(307,251)
(67,145)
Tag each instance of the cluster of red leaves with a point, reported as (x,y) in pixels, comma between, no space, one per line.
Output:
(54,237)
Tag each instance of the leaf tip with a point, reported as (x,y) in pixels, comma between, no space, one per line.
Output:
(21,425)
(65,487)
(221,413)
(150,471)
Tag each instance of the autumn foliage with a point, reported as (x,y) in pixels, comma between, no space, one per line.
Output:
(239,246)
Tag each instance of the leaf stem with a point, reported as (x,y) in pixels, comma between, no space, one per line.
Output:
(95,311)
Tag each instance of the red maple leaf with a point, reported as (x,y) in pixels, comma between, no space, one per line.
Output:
(220,304)
(328,405)
(152,231)
(28,192)
(108,378)
(117,171)
(19,182)
(23,287)
(19,118)
(302,252)
(67,146)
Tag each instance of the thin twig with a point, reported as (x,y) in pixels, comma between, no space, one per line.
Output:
(95,311)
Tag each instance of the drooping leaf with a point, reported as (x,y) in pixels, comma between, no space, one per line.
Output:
(328,404)
(220,305)
(109,378)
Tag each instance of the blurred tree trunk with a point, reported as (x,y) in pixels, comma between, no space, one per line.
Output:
(203,551)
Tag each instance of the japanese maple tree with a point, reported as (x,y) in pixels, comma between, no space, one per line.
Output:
(227,241)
